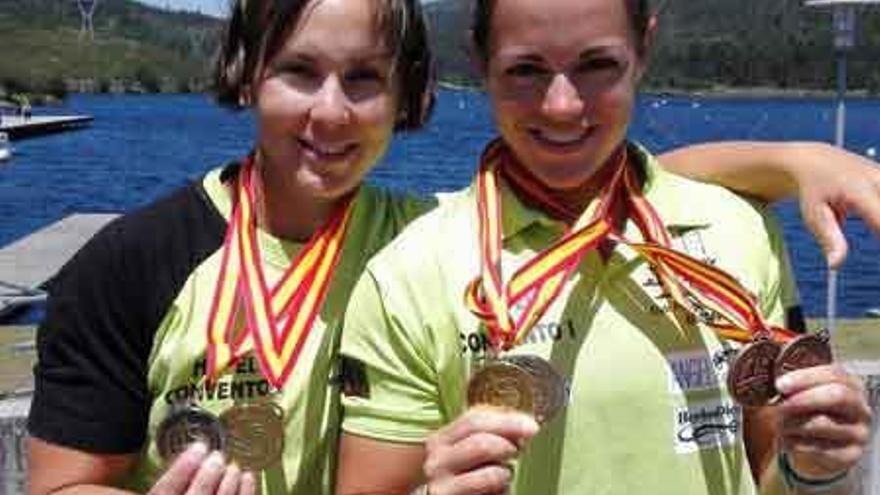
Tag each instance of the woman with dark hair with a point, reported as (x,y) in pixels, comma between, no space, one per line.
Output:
(212,317)
(649,324)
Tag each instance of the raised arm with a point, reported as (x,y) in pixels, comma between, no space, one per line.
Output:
(829,181)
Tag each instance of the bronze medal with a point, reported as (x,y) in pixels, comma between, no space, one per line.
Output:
(751,376)
(548,387)
(805,351)
(185,425)
(502,384)
(255,434)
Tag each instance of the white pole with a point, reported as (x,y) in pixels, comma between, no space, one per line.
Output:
(844,39)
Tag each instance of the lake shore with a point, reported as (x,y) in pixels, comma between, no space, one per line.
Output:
(732,92)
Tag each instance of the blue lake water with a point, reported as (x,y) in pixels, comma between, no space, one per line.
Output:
(140,147)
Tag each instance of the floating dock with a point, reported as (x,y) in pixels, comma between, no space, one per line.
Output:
(18,127)
(29,262)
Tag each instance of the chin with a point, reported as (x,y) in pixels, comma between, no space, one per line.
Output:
(571,174)
(332,188)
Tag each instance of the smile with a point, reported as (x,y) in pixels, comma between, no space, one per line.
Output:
(328,152)
(560,141)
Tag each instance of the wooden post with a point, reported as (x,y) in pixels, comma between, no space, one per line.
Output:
(13,444)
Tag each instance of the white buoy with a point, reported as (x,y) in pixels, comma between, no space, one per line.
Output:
(871,152)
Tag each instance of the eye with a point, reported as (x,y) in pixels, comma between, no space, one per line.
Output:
(599,64)
(364,74)
(364,82)
(298,69)
(525,70)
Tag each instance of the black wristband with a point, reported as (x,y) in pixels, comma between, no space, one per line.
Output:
(795,481)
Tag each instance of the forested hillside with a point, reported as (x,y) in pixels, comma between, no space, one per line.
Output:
(703,45)
(717,44)
(135,47)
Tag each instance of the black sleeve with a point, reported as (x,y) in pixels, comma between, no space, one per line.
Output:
(105,304)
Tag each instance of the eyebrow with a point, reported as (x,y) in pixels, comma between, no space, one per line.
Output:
(599,50)
(305,56)
(585,54)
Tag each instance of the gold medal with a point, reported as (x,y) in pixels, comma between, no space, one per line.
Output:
(548,387)
(185,425)
(255,432)
(502,384)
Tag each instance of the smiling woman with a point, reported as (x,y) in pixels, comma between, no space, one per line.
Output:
(188,348)
(563,110)
(567,221)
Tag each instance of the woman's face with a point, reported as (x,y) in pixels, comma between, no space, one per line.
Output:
(562,76)
(326,102)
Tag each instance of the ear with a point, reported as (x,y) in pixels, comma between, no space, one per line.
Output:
(650,35)
(246,96)
(648,45)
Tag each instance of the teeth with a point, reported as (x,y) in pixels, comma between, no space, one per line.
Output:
(558,137)
(328,149)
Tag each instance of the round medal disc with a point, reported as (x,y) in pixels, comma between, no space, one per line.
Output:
(805,351)
(255,433)
(186,425)
(549,390)
(502,384)
(751,376)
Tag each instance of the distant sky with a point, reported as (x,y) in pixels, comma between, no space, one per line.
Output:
(216,8)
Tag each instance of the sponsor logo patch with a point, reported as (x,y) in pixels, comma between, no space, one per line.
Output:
(691,371)
(706,425)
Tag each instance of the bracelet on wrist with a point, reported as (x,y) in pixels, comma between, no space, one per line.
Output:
(420,490)
(795,481)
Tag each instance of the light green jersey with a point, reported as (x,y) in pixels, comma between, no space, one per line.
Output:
(177,363)
(648,411)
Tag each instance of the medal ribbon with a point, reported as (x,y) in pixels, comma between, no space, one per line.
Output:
(278,321)
(539,281)
(536,284)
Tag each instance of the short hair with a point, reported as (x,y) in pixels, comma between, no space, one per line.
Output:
(257,29)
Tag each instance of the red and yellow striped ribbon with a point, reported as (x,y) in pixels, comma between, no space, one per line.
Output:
(536,284)
(278,322)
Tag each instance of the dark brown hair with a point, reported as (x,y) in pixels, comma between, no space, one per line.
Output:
(257,29)
(639,16)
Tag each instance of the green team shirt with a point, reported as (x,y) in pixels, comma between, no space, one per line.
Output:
(309,399)
(648,411)
(125,335)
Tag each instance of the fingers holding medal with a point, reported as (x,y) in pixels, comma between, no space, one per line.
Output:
(186,425)
(250,435)
(753,374)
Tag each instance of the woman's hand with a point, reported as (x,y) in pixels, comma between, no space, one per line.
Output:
(825,420)
(469,456)
(831,183)
(198,472)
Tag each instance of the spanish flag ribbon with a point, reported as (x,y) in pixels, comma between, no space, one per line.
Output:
(534,286)
(277,322)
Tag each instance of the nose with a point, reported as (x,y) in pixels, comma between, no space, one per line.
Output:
(331,105)
(562,101)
